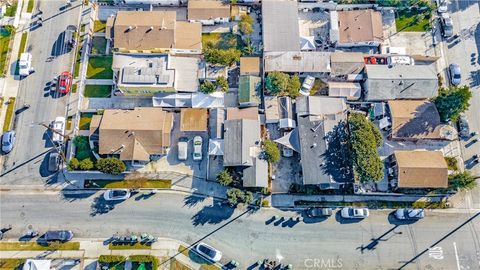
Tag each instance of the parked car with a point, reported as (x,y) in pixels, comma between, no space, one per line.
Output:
(307,85)
(64,82)
(8,140)
(447,25)
(208,252)
(58,130)
(409,213)
(69,37)
(197,148)
(25,64)
(463,127)
(455,74)
(318,212)
(54,162)
(352,212)
(116,194)
(443,6)
(62,236)
(182,148)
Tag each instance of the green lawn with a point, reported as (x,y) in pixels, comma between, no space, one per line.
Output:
(85,119)
(9,115)
(17,246)
(10,12)
(137,245)
(152,183)
(97,90)
(83,149)
(30,6)
(99,26)
(98,45)
(23,44)
(74,88)
(11,264)
(219,40)
(412,22)
(100,67)
(5,37)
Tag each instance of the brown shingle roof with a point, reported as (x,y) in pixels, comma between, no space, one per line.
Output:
(250,66)
(421,169)
(250,113)
(207,9)
(414,119)
(135,134)
(193,119)
(360,26)
(149,30)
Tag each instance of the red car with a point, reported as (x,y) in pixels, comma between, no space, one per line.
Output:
(64,82)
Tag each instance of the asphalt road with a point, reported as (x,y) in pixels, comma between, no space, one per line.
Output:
(26,164)
(465,51)
(375,243)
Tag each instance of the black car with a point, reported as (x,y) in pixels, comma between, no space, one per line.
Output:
(54,162)
(319,212)
(62,236)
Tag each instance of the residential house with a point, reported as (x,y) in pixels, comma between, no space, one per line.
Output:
(134,136)
(216,148)
(278,110)
(305,63)
(147,74)
(250,113)
(193,119)
(249,91)
(348,65)
(418,120)
(243,151)
(280,26)
(250,66)
(384,82)
(153,31)
(208,12)
(348,90)
(420,169)
(351,28)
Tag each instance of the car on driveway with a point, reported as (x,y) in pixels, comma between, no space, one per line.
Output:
(116,194)
(314,212)
(455,74)
(463,127)
(352,212)
(409,213)
(197,148)
(182,148)
(208,252)
(64,82)
(62,236)
(54,162)
(8,140)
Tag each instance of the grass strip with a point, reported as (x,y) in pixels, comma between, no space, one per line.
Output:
(153,183)
(137,245)
(9,114)
(19,246)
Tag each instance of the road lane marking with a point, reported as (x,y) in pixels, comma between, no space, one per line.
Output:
(436,253)
(456,255)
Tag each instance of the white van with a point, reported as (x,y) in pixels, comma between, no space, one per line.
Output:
(182,149)
(25,64)
(58,130)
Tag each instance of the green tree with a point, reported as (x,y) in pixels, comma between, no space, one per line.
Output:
(86,164)
(74,164)
(208,87)
(293,87)
(245,25)
(277,82)
(222,57)
(234,196)
(222,83)
(247,48)
(271,151)
(80,142)
(451,102)
(462,181)
(247,197)
(364,141)
(111,165)
(224,178)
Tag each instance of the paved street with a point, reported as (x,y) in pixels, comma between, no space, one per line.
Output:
(466,53)
(455,244)
(27,162)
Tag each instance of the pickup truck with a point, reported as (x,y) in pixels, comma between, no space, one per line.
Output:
(58,130)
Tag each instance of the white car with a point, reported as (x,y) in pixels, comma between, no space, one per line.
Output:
(25,64)
(307,85)
(116,194)
(182,148)
(409,213)
(58,129)
(197,148)
(351,212)
(208,252)
(455,74)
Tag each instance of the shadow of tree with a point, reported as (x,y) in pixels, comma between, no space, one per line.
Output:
(423,121)
(193,200)
(337,161)
(100,206)
(213,214)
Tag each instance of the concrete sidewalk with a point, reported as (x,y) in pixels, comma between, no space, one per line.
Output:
(91,249)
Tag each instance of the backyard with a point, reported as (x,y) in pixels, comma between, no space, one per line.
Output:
(93,90)
(413,21)
(100,67)
(99,45)
(99,26)
(6,34)
(219,40)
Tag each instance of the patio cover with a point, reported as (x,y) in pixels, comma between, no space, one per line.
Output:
(172,100)
(215,147)
(307,43)
(290,140)
(214,100)
(37,264)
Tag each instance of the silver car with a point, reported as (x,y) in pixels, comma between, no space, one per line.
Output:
(208,252)
(409,213)
(352,212)
(8,140)
(455,74)
(116,194)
